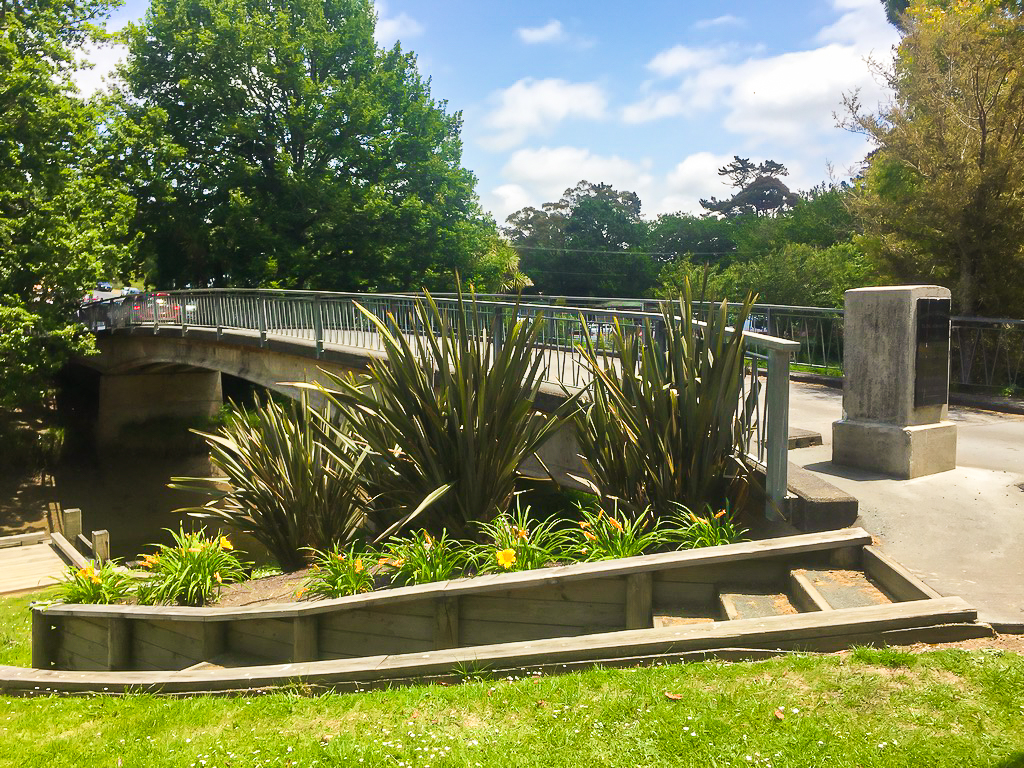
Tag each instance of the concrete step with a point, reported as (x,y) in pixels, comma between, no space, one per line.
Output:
(844,589)
(755,604)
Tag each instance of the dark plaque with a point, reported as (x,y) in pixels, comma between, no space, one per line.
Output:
(931,382)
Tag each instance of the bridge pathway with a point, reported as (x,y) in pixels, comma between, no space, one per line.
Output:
(28,567)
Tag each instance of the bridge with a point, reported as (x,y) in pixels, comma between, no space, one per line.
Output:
(161,354)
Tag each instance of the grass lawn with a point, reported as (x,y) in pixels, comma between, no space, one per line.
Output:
(868,708)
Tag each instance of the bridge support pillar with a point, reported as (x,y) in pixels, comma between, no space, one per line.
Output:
(137,397)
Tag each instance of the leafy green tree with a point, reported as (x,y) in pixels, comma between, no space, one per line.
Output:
(279,146)
(761,191)
(63,216)
(708,239)
(942,199)
(589,243)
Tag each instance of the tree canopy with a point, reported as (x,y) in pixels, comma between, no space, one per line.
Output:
(588,243)
(760,190)
(275,145)
(942,198)
(63,216)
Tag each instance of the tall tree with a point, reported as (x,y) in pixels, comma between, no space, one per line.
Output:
(62,215)
(760,190)
(288,150)
(589,243)
(942,198)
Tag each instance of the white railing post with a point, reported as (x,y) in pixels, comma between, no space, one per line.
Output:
(777,453)
(261,311)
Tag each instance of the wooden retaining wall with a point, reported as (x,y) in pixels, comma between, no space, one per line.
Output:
(563,602)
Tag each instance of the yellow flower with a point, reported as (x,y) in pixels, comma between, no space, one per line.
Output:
(216,575)
(86,572)
(301,591)
(341,557)
(506,558)
(195,549)
(590,536)
(522,533)
(225,543)
(95,579)
(427,541)
(358,565)
(615,524)
(584,524)
(148,561)
(719,514)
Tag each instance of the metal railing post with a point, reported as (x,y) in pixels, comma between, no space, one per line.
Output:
(218,315)
(261,312)
(156,315)
(499,327)
(318,326)
(777,455)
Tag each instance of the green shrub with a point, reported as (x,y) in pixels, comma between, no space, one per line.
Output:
(689,531)
(664,422)
(339,572)
(102,585)
(419,558)
(608,535)
(192,571)
(288,485)
(449,415)
(516,542)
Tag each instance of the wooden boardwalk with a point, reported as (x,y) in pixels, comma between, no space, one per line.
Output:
(28,563)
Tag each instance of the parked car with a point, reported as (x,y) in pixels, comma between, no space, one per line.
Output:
(129,290)
(104,285)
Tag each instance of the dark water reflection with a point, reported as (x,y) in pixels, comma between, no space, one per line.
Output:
(127,494)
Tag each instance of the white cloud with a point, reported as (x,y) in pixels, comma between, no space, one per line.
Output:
(391,29)
(103,58)
(681,59)
(534,107)
(541,175)
(695,177)
(788,98)
(727,20)
(551,32)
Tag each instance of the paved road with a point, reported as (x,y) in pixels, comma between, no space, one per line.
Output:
(962,531)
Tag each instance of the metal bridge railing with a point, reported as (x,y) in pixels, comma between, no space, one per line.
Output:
(333,320)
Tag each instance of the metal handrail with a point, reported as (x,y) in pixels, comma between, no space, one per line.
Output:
(326,319)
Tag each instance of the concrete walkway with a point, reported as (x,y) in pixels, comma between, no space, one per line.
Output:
(960,531)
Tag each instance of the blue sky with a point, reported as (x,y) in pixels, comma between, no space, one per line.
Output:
(651,97)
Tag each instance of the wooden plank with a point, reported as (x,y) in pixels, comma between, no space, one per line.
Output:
(71,523)
(805,596)
(70,660)
(213,639)
(45,638)
(335,644)
(148,656)
(90,629)
(268,638)
(305,638)
(23,539)
(674,593)
(593,591)
(414,627)
(407,608)
(498,632)
(446,623)
(639,601)
(83,545)
(101,546)
(119,644)
(67,552)
(761,573)
(84,648)
(896,580)
(178,638)
(511,610)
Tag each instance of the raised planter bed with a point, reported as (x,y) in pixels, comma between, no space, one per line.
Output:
(755,595)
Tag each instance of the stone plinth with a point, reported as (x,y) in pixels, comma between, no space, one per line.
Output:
(896,373)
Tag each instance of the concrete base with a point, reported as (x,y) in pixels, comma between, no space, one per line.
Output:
(902,452)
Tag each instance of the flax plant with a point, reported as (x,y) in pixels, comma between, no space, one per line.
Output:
(286,483)
(664,423)
(449,414)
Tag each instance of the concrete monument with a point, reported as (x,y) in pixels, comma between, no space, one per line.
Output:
(896,382)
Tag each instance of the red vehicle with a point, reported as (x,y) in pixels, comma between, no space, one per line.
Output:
(142,308)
